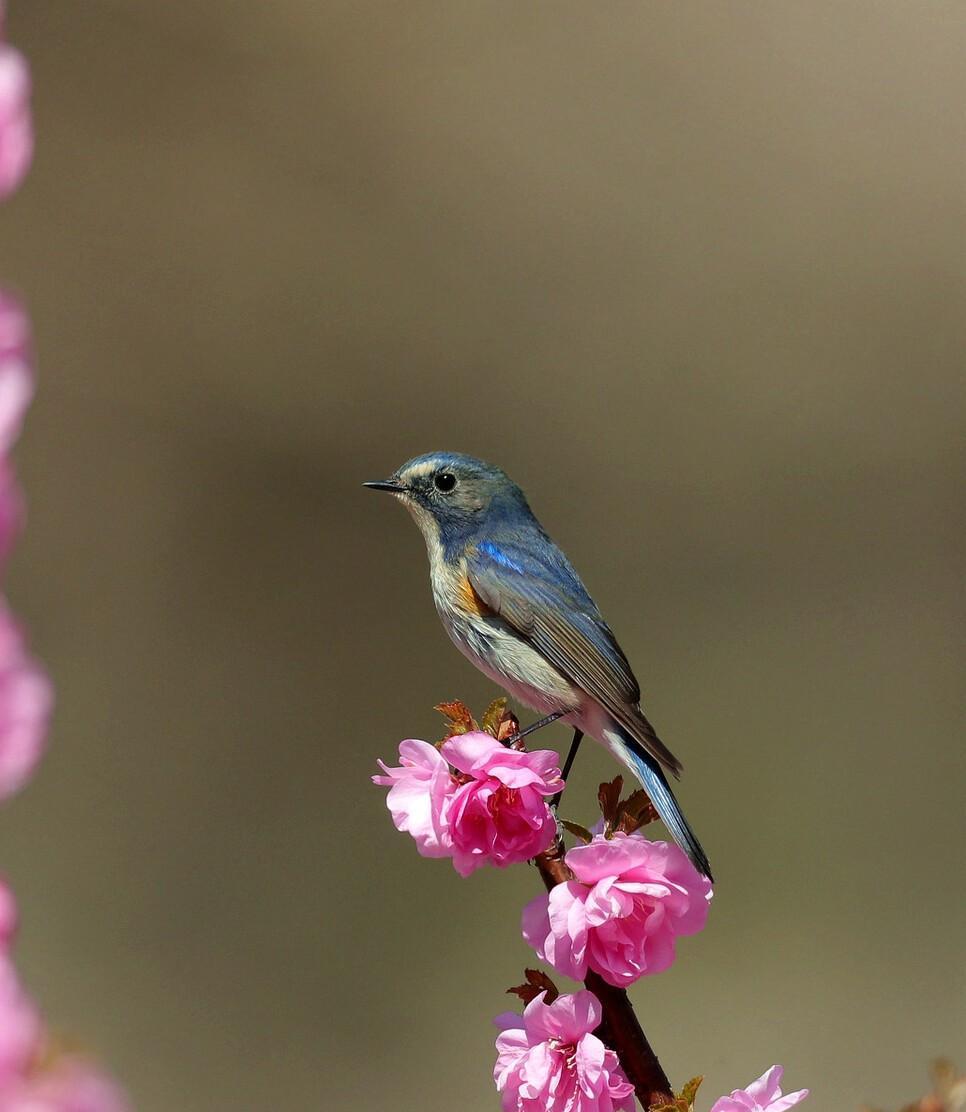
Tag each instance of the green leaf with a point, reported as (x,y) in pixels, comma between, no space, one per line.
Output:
(690,1091)
(683,1102)
(578,831)
(493,716)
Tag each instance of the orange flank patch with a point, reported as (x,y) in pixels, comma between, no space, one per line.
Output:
(469,600)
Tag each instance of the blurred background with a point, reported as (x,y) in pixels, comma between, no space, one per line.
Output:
(694,275)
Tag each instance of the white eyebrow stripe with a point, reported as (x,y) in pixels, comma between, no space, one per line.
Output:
(425,468)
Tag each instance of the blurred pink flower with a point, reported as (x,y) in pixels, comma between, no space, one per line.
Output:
(26,700)
(70,1085)
(11,509)
(16,392)
(16,129)
(8,917)
(631,898)
(419,788)
(32,1079)
(499,815)
(16,374)
(763,1095)
(553,1062)
(20,1028)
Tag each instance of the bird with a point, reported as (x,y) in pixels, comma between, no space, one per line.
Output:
(513,604)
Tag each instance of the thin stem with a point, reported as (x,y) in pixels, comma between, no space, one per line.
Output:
(620,1028)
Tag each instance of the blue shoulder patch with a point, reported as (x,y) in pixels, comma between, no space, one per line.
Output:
(488,548)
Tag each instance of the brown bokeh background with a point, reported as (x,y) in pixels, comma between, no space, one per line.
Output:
(694,274)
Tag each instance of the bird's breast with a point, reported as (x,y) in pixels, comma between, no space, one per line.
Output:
(493,646)
(452,590)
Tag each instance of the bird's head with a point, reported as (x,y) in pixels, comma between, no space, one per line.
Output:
(450,495)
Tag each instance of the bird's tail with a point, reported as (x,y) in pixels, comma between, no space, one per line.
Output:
(654,782)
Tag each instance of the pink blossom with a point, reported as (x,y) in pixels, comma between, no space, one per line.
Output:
(26,700)
(553,1062)
(489,808)
(499,815)
(16,391)
(16,129)
(31,1080)
(11,509)
(8,916)
(16,373)
(763,1095)
(419,789)
(70,1085)
(621,914)
(20,1027)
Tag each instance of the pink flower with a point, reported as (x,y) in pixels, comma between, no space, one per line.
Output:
(16,391)
(8,917)
(499,815)
(419,789)
(16,374)
(489,809)
(30,1080)
(11,509)
(16,129)
(20,1027)
(763,1095)
(621,914)
(26,700)
(553,1062)
(71,1085)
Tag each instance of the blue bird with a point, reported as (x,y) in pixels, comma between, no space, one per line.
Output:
(513,604)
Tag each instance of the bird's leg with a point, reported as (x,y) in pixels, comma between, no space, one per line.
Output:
(568,764)
(571,756)
(521,734)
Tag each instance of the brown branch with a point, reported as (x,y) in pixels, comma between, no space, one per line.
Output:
(620,1028)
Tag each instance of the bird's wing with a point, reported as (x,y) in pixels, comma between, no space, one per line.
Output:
(549,607)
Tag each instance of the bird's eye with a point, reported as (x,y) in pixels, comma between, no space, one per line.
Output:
(444,481)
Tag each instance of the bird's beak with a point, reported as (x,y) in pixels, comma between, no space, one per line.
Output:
(386,484)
